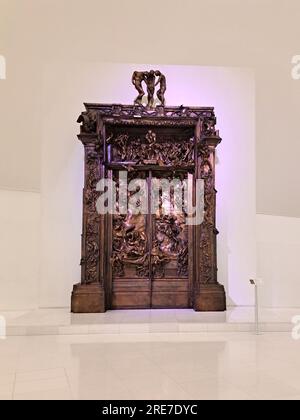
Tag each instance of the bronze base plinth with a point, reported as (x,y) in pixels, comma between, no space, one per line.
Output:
(87,298)
(210,298)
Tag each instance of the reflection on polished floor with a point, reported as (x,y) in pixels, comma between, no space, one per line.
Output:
(151,366)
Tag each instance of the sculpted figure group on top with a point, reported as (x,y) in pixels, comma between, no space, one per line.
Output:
(151,79)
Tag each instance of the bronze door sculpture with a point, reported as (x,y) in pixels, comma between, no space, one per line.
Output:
(149,259)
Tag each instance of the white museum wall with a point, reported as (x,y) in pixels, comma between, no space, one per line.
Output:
(19,249)
(278,251)
(66,86)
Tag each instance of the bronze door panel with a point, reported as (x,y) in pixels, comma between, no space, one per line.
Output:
(144,279)
(131,285)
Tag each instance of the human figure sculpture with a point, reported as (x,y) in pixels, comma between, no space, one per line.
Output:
(162,86)
(137,79)
(149,77)
(150,82)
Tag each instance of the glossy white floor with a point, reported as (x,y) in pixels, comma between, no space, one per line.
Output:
(151,366)
(61,321)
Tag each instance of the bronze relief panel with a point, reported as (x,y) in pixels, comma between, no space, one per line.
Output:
(151,148)
(170,234)
(130,256)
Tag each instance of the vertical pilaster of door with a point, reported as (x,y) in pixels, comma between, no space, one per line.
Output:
(196,246)
(209,295)
(107,252)
(89,295)
(150,235)
(191,243)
